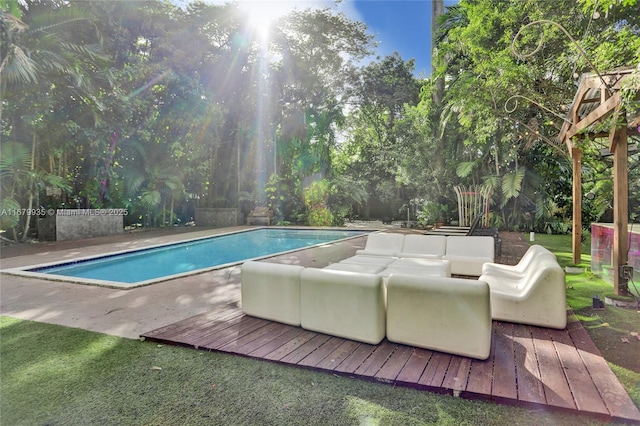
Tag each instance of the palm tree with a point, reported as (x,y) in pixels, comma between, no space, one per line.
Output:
(37,60)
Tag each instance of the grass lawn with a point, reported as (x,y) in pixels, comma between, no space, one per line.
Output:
(57,375)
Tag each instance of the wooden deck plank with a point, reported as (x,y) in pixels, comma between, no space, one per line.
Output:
(457,373)
(616,399)
(338,355)
(414,368)
(394,364)
(434,374)
(238,329)
(480,378)
(585,393)
(504,369)
(355,359)
(377,359)
(322,352)
(290,334)
(254,340)
(544,364)
(200,334)
(530,387)
(195,325)
(290,346)
(554,381)
(306,349)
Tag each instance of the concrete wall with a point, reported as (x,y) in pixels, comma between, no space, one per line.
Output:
(218,217)
(76,224)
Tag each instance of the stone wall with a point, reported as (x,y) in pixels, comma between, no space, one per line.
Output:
(218,217)
(76,224)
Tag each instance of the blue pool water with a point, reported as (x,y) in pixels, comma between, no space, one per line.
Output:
(175,259)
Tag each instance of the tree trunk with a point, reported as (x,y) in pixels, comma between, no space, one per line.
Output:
(31,187)
(437,9)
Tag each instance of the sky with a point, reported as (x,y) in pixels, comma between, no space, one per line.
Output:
(402,26)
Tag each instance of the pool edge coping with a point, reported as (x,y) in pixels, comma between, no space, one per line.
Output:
(24,271)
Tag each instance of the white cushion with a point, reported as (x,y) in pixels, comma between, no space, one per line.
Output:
(369,260)
(467,254)
(383,244)
(356,267)
(423,246)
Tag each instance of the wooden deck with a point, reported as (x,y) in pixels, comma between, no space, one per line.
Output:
(528,366)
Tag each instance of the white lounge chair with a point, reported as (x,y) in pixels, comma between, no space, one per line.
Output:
(539,297)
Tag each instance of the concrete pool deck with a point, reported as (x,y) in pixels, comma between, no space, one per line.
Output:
(129,313)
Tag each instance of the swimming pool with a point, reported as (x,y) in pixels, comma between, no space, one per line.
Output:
(159,263)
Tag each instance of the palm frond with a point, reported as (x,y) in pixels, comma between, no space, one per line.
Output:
(465,168)
(512,183)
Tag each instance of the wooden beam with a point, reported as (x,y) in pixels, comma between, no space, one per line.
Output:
(620,208)
(576,155)
(613,139)
(599,113)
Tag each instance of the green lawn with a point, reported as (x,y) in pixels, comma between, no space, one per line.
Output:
(57,375)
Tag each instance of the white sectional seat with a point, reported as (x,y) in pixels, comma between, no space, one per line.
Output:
(382,244)
(356,267)
(435,272)
(441,265)
(412,300)
(538,297)
(468,254)
(423,246)
(521,268)
(344,304)
(369,260)
(271,291)
(451,315)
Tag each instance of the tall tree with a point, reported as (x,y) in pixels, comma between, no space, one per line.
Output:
(44,67)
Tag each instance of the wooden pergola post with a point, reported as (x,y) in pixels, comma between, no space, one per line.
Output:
(576,156)
(618,146)
(597,98)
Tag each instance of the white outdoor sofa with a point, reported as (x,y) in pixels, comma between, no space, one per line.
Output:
(466,254)
(411,300)
(536,295)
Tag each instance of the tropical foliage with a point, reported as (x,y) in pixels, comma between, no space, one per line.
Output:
(159,109)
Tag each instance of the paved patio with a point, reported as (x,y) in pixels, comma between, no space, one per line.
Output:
(127,313)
